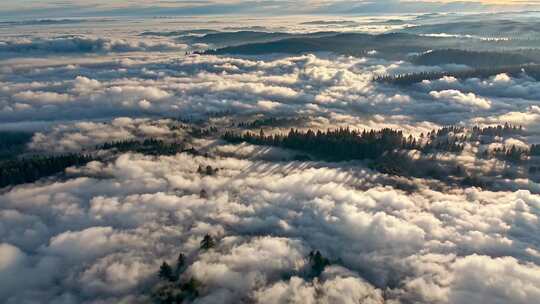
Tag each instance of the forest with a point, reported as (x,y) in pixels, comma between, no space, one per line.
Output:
(343,144)
(13,143)
(26,169)
(392,45)
(477,59)
(346,144)
(175,285)
(531,70)
(31,169)
(148,146)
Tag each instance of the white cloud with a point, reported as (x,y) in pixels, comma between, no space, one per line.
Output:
(84,135)
(113,233)
(502,280)
(457,97)
(99,234)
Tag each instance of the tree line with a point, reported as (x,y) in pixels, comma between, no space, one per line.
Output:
(149,146)
(15,171)
(476,59)
(31,169)
(535,150)
(345,144)
(511,153)
(13,143)
(498,130)
(532,70)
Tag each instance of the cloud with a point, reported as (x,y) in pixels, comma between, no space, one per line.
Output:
(338,286)
(99,233)
(111,234)
(41,97)
(474,272)
(306,85)
(335,89)
(82,44)
(529,118)
(500,85)
(457,97)
(84,135)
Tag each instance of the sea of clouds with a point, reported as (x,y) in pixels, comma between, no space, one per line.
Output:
(100,235)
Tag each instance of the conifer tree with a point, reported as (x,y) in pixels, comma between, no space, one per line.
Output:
(207,242)
(166,272)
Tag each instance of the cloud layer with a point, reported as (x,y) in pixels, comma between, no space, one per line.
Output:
(107,237)
(98,233)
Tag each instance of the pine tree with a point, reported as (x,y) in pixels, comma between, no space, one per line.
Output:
(207,242)
(318,262)
(165,272)
(180,264)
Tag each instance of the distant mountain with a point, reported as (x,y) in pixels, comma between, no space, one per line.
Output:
(390,45)
(220,39)
(486,28)
(476,59)
(180,33)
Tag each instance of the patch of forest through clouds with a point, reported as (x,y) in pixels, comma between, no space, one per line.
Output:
(389,151)
(229,178)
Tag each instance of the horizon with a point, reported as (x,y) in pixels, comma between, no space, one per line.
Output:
(143,8)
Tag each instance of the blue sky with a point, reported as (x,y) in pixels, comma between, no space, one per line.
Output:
(77,8)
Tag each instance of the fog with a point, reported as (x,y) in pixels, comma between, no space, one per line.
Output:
(98,231)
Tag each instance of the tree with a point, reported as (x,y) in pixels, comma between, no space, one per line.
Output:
(207,242)
(180,264)
(166,293)
(203,194)
(190,288)
(166,272)
(318,262)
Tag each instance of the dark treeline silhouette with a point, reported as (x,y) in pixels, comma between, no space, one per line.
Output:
(511,153)
(344,143)
(317,262)
(208,170)
(269,121)
(171,289)
(203,132)
(499,130)
(174,286)
(257,123)
(28,170)
(396,45)
(531,70)
(148,147)
(443,139)
(477,59)
(387,150)
(485,136)
(14,171)
(535,150)
(13,143)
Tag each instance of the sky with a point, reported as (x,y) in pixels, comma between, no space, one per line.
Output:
(76,8)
